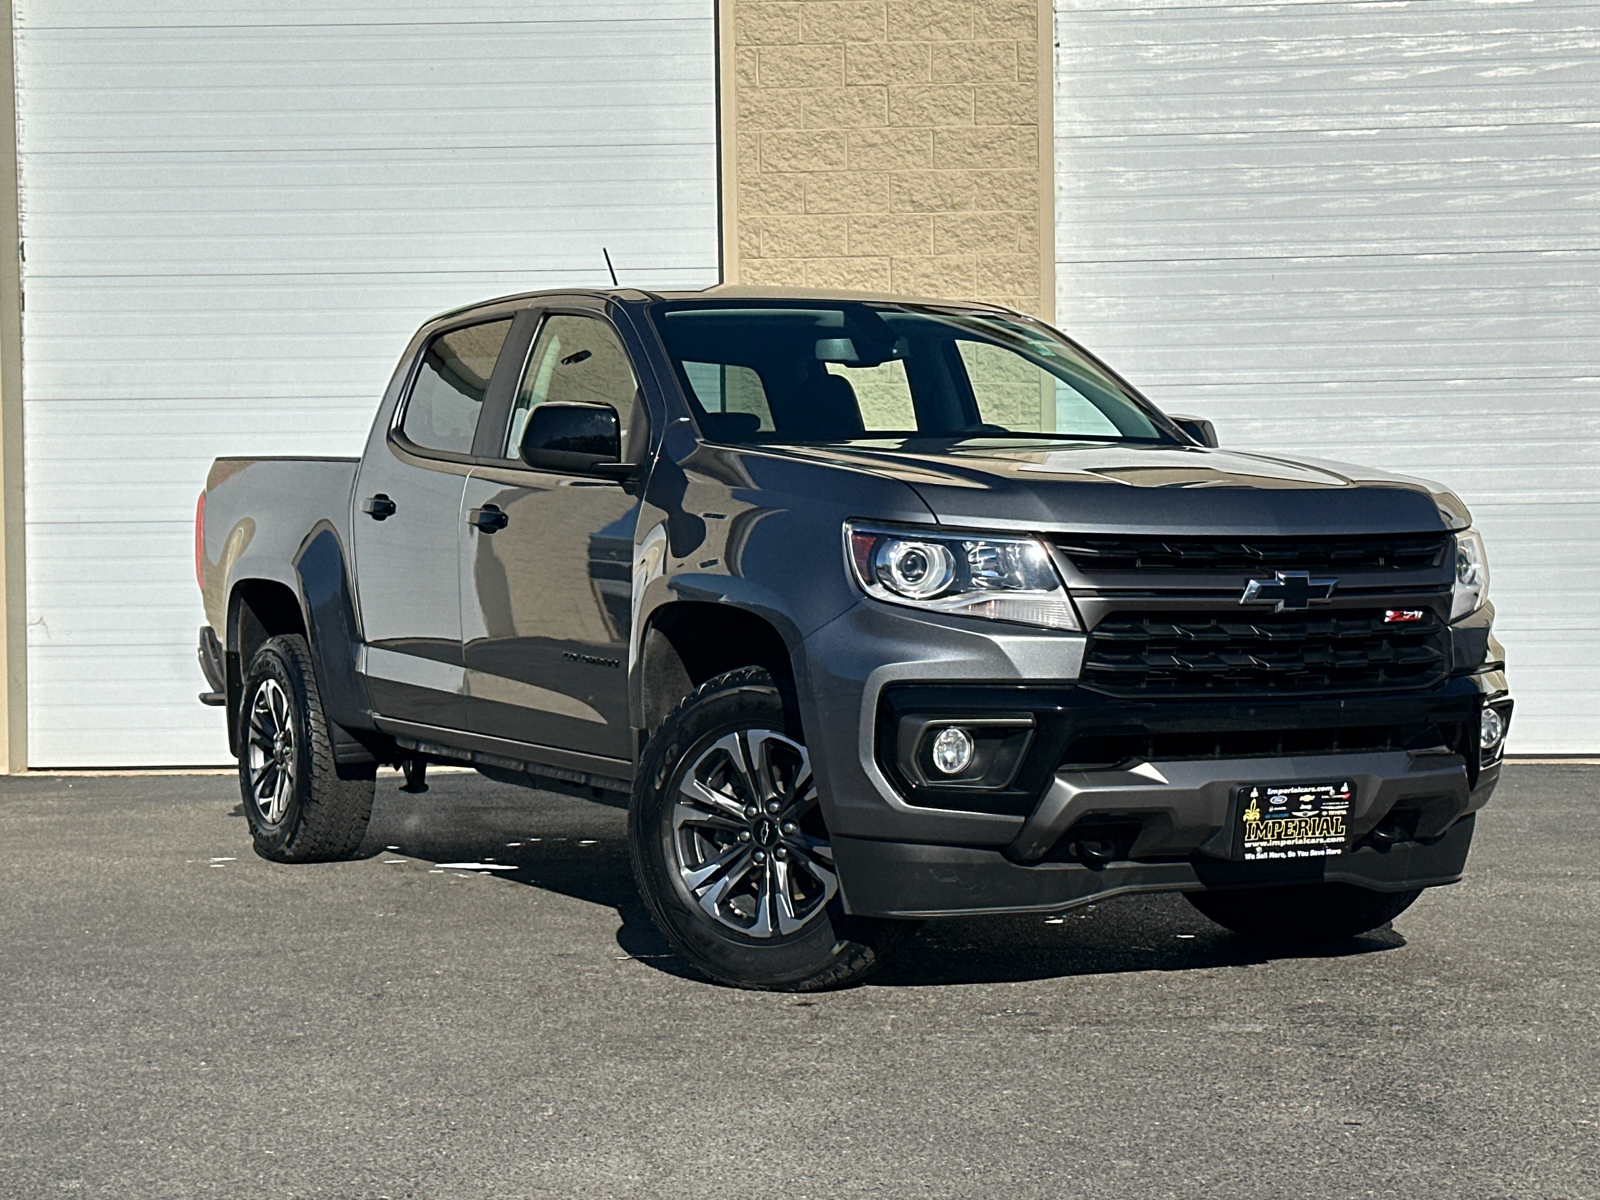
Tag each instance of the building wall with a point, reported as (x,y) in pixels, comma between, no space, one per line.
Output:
(233,218)
(889,145)
(1364,233)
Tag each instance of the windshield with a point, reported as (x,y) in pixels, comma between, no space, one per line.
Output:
(846,372)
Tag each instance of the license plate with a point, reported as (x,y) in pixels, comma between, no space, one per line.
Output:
(1294,820)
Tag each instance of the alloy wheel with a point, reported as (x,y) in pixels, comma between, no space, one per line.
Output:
(271,761)
(747,834)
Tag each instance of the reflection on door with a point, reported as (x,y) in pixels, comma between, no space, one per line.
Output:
(546,608)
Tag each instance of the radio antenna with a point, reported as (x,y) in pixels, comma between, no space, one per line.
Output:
(609,267)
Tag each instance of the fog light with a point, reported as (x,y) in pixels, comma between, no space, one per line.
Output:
(952,750)
(1491,730)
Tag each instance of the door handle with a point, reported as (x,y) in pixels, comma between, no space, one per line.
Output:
(488,519)
(379,507)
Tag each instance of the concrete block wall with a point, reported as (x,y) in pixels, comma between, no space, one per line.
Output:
(890,145)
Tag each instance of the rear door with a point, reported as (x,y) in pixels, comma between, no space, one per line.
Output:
(547,597)
(408,500)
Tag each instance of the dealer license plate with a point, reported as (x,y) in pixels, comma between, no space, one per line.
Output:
(1294,820)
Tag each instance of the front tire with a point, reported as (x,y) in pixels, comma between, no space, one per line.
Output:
(730,850)
(300,805)
(1313,912)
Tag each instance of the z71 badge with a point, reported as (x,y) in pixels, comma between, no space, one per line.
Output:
(1294,820)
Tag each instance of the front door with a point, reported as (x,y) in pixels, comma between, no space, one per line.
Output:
(547,596)
(408,512)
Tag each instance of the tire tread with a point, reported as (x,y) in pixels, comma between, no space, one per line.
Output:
(335,811)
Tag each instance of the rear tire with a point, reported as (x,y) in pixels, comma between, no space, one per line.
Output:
(1313,912)
(730,852)
(300,805)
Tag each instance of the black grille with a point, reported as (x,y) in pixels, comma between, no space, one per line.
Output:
(1091,553)
(1227,654)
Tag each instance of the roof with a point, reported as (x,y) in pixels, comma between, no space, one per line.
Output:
(732,291)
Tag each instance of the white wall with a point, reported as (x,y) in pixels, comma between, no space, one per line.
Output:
(1370,232)
(233,216)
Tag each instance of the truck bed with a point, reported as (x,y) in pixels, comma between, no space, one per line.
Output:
(260,511)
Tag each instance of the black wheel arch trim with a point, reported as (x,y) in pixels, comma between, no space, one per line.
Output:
(334,632)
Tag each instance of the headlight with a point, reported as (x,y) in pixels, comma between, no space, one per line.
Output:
(1472,576)
(968,575)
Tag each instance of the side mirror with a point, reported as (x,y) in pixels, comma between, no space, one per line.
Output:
(1201,430)
(565,436)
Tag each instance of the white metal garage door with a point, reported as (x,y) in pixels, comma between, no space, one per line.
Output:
(233,215)
(1370,232)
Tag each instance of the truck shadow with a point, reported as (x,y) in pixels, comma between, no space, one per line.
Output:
(579,849)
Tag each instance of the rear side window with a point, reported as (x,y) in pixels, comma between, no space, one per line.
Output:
(442,413)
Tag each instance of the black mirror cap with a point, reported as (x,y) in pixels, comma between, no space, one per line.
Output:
(1198,428)
(567,436)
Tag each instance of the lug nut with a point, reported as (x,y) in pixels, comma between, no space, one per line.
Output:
(773,806)
(780,853)
(750,810)
(789,828)
(744,835)
(760,857)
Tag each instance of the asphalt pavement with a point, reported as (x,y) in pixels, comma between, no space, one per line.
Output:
(179,1018)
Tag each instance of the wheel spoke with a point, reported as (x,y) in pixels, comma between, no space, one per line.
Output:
(711,800)
(264,783)
(711,898)
(816,860)
(280,797)
(280,706)
(738,755)
(783,899)
(762,926)
(701,876)
(755,747)
(697,818)
(805,794)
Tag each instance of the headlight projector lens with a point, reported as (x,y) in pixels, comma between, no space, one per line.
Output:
(952,750)
(916,570)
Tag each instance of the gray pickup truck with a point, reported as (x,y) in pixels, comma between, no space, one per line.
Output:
(875,609)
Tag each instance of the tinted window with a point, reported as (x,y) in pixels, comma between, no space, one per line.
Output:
(729,396)
(575,359)
(882,394)
(1012,391)
(442,413)
(825,373)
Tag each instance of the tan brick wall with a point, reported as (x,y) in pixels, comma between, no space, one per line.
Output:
(889,145)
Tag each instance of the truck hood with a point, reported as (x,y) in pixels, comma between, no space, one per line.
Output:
(1096,488)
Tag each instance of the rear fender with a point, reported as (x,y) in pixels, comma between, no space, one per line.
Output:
(332,627)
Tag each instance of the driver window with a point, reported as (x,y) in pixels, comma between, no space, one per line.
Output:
(574,359)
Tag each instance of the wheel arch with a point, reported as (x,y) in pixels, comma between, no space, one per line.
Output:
(686,642)
(321,609)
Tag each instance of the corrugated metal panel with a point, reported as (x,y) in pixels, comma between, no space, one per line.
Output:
(235,213)
(1371,232)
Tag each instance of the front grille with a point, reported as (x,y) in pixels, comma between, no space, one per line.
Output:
(1092,553)
(1204,654)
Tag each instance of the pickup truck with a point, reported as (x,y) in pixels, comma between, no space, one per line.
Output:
(875,609)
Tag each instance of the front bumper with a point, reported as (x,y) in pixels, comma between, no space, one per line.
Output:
(1163,823)
(899,879)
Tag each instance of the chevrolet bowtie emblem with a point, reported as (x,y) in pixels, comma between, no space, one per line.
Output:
(1289,589)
